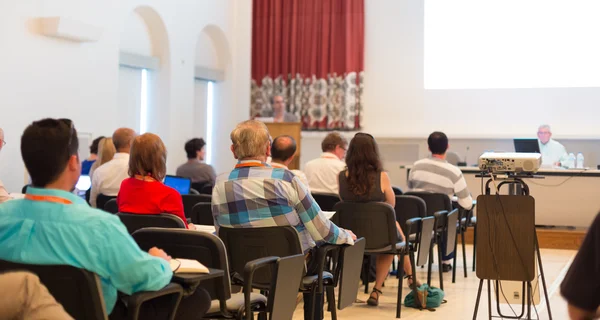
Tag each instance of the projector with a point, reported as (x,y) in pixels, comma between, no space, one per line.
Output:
(508,162)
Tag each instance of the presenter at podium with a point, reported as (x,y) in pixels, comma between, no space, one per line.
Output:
(553,153)
(278,112)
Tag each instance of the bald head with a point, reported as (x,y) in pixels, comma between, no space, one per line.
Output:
(122,139)
(250,140)
(283,149)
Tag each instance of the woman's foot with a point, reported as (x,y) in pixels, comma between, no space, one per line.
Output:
(374,297)
(412,284)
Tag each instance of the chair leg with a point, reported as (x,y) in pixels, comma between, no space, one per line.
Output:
(454,260)
(331,302)
(429,264)
(400,280)
(366,269)
(441,272)
(314,302)
(474,245)
(464,251)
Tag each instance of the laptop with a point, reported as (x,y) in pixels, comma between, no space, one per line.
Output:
(527,145)
(181,184)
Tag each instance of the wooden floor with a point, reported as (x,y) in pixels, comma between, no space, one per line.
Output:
(551,238)
(461,295)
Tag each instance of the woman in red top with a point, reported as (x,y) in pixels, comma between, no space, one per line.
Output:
(143,192)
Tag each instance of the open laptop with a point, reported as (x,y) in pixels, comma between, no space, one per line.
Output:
(526,145)
(181,184)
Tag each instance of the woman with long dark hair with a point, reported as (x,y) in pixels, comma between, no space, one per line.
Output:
(364,181)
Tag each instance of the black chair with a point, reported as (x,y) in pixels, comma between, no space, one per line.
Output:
(202,214)
(326,200)
(207,189)
(134,222)
(111,206)
(397,191)
(376,222)
(406,208)
(190,200)
(247,244)
(101,200)
(199,185)
(80,293)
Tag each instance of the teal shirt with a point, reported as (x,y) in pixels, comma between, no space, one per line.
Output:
(42,232)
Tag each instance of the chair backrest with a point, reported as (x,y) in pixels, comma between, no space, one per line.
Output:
(190,200)
(207,248)
(101,200)
(452,219)
(76,289)
(247,244)
(282,302)
(199,185)
(434,201)
(202,214)
(326,200)
(408,207)
(397,191)
(207,189)
(135,221)
(111,206)
(374,221)
(424,241)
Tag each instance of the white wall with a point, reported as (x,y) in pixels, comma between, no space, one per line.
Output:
(46,77)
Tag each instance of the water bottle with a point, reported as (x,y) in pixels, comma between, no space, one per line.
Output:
(580,160)
(571,162)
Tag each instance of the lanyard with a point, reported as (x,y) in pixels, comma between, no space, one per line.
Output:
(55,199)
(144,178)
(249,164)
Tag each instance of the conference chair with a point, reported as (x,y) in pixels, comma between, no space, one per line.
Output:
(202,214)
(453,158)
(247,244)
(326,201)
(397,191)
(111,206)
(376,222)
(468,220)
(207,189)
(190,200)
(134,222)
(101,200)
(406,208)
(80,293)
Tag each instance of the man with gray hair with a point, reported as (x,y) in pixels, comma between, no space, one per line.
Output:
(553,153)
(3,194)
(255,194)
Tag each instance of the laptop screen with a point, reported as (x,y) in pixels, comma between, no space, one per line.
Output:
(84,183)
(527,145)
(182,185)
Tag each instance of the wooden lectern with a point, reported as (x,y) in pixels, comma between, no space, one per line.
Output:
(293,129)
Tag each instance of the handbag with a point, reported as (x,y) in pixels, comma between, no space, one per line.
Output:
(428,298)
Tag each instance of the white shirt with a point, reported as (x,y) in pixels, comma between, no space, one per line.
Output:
(552,152)
(108,177)
(4,196)
(297,173)
(322,173)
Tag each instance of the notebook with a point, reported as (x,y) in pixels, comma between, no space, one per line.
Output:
(187,266)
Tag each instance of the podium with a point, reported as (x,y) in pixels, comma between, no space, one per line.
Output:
(292,129)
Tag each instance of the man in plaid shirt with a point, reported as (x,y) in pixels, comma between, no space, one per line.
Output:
(255,194)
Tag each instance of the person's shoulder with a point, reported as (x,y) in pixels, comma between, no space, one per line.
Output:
(92,217)
(283,174)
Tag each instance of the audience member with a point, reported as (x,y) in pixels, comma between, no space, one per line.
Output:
(365,181)
(581,286)
(435,174)
(283,152)
(553,152)
(195,169)
(23,296)
(108,177)
(143,192)
(106,152)
(322,173)
(61,228)
(255,194)
(3,193)
(86,165)
(278,111)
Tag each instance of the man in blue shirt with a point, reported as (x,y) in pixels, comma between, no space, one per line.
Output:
(53,226)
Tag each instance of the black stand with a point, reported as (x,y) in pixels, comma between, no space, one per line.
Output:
(506,237)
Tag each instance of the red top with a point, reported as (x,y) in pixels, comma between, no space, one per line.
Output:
(149,197)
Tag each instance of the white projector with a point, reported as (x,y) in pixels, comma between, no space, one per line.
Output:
(510,162)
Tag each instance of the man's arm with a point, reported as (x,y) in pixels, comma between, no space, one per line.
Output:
(462,193)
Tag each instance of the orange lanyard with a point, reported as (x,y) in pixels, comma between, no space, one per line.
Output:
(146,178)
(249,164)
(55,199)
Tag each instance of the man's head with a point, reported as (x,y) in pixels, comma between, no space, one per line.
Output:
(2,142)
(544,133)
(148,157)
(278,104)
(283,149)
(195,149)
(49,149)
(122,138)
(438,143)
(94,146)
(336,144)
(251,140)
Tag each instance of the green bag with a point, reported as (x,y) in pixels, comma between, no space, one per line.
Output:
(430,298)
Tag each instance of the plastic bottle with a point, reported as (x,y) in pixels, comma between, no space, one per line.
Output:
(580,160)
(571,162)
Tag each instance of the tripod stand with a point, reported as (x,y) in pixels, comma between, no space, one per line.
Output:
(510,224)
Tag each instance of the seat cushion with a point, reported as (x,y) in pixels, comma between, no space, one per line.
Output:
(308,281)
(399,246)
(236,302)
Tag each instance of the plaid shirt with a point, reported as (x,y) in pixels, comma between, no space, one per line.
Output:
(258,195)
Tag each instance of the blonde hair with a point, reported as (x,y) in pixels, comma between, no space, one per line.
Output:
(106,151)
(148,157)
(250,139)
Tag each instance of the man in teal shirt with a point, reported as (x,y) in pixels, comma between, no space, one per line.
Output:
(53,226)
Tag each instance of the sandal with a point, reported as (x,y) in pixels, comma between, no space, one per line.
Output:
(374,301)
(411,284)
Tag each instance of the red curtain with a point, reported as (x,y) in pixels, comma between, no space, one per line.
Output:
(311,52)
